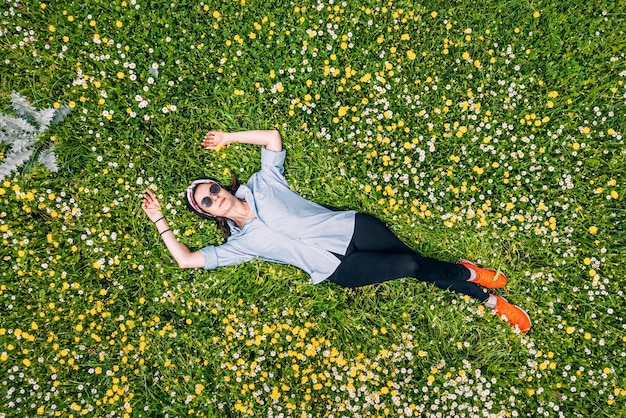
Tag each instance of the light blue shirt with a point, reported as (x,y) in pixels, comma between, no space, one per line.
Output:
(286,229)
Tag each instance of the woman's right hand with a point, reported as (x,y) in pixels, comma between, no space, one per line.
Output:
(151,205)
(214,139)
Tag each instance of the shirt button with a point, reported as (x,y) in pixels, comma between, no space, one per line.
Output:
(260,196)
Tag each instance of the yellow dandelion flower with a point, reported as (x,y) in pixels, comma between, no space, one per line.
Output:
(275,393)
(434,15)
(536,14)
(593,230)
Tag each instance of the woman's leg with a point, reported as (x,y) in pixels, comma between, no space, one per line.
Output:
(372,235)
(376,255)
(362,268)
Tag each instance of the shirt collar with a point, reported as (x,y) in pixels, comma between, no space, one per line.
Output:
(244,193)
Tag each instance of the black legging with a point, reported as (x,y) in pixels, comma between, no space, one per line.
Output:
(376,255)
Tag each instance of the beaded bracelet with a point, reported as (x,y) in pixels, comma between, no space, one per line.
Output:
(162,217)
(164,231)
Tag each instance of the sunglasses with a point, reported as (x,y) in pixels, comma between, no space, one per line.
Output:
(206,201)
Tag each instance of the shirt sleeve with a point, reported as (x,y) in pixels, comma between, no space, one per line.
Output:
(272,162)
(223,255)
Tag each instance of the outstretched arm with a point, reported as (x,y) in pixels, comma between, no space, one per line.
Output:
(183,256)
(269,139)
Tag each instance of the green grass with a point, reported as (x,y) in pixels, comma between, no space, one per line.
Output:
(490,131)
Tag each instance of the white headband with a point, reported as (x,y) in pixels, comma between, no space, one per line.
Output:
(191,189)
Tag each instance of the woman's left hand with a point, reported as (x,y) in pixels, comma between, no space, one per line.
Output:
(214,139)
(151,205)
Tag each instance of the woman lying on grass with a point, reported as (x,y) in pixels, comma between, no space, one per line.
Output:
(266,219)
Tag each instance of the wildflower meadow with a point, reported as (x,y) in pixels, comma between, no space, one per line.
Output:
(483,130)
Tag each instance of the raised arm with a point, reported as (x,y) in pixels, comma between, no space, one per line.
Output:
(269,139)
(183,256)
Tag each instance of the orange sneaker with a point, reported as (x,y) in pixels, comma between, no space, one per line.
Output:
(489,278)
(514,315)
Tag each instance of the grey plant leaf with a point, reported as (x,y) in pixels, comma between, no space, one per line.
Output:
(11,126)
(48,159)
(60,114)
(44,118)
(21,134)
(13,160)
(21,145)
(22,107)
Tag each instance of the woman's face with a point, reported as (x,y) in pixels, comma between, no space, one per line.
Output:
(214,203)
